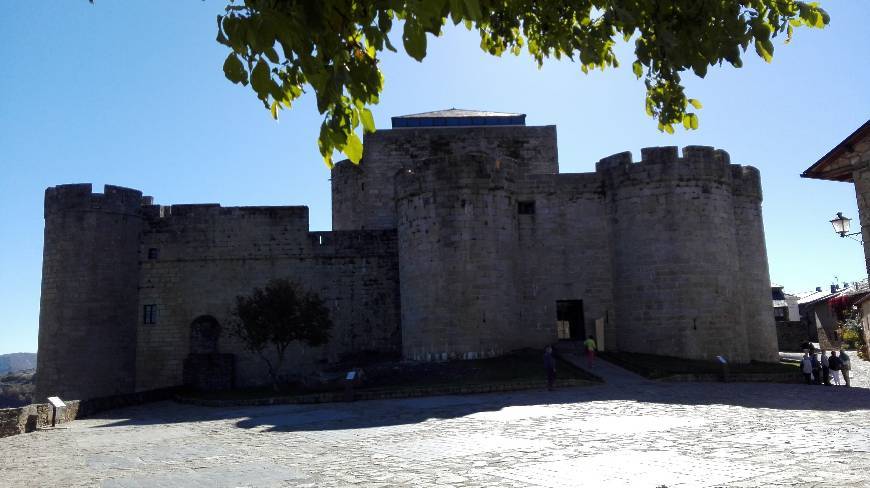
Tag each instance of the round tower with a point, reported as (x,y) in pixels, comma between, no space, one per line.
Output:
(676,259)
(457,234)
(90,276)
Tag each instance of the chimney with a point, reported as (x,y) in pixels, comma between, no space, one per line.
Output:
(818,288)
(834,288)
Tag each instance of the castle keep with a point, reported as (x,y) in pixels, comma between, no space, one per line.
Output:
(456,237)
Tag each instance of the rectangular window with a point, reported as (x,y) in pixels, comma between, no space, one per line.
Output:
(526,208)
(149,314)
(153,253)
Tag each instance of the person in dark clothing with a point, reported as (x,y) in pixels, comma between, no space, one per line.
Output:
(550,367)
(817,369)
(845,367)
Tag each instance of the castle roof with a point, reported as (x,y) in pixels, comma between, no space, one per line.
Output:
(456,117)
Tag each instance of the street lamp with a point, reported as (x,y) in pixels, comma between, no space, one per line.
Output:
(841,226)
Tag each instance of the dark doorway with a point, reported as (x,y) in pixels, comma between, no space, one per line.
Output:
(569,317)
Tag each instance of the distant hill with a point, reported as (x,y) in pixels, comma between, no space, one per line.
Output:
(16,389)
(19,361)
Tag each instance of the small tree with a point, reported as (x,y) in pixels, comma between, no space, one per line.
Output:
(276,316)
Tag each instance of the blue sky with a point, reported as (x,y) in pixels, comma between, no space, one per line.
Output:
(132,94)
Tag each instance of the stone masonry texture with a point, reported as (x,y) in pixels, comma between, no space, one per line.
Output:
(447,243)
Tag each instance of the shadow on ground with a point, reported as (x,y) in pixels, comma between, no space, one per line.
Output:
(381,413)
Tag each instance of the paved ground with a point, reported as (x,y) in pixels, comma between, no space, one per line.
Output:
(630,432)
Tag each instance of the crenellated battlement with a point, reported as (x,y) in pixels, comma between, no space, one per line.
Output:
(80,197)
(697,163)
(665,155)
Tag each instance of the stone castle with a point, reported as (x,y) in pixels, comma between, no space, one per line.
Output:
(456,237)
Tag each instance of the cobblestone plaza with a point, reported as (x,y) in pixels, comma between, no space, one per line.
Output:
(628,432)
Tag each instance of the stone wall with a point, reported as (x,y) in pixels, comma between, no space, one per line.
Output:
(203,256)
(87,321)
(363,196)
(14,421)
(859,159)
(564,254)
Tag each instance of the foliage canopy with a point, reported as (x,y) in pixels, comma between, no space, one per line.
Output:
(276,316)
(279,46)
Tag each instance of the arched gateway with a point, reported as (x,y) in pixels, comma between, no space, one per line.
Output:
(205,368)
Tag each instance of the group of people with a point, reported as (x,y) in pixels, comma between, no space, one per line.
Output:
(822,370)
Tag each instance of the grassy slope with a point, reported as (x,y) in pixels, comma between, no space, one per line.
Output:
(652,366)
(523,365)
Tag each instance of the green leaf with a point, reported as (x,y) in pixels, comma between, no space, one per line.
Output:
(695,103)
(637,68)
(693,121)
(389,44)
(260,79)
(272,55)
(456,11)
(368,121)
(234,70)
(353,148)
(700,68)
(221,38)
(414,39)
(274,110)
(764,49)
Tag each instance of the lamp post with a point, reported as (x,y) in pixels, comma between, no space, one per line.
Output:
(841,226)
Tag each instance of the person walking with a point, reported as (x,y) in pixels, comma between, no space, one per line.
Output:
(590,346)
(550,367)
(845,367)
(826,370)
(817,369)
(807,368)
(835,366)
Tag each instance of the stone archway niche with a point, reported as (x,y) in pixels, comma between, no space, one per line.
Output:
(205,368)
